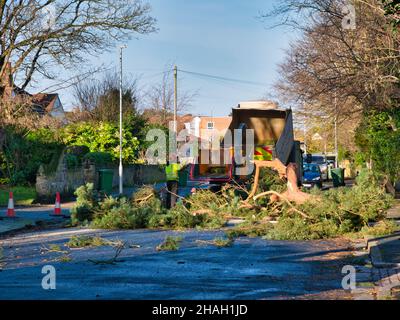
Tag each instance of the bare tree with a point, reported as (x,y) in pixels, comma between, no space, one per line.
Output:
(37,35)
(99,99)
(159,100)
(356,67)
(345,63)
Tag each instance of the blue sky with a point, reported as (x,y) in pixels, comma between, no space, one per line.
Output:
(218,37)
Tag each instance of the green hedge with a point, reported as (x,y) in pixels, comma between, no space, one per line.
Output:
(24,151)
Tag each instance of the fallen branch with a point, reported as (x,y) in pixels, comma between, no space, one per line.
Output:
(280,196)
(239,187)
(51,249)
(202,212)
(144,199)
(111,261)
(275,164)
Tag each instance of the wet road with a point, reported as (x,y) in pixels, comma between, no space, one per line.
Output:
(250,269)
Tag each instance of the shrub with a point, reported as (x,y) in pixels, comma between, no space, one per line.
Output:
(297,229)
(178,217)
(79,151)
(74,156)
(378,138)
(145,210)
(71,161)
(99,158)
(102,137)
(85,205)
(122,216)
(81,214)
(23,151)
(382,228)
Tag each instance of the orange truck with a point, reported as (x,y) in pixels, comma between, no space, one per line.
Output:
(273,139)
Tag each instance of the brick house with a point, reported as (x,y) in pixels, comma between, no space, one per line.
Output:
(48,104)
(206,127)
(43,103)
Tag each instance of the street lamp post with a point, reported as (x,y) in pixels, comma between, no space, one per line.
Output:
(121,168)
(305,135)
(336,135)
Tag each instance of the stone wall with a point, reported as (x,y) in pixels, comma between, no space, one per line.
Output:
(140,174)
(66,181)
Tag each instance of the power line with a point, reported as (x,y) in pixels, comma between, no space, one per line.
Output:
(154,75)
(224,78)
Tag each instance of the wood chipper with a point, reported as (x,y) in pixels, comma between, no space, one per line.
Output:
(273,140)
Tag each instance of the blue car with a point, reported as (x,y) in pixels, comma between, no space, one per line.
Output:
(312,175)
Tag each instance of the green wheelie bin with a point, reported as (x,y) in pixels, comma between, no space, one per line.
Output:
(106,180)
(183,178)
(338,177)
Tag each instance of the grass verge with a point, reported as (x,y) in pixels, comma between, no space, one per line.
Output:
(22,195)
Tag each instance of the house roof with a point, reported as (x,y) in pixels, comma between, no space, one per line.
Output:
(45,101)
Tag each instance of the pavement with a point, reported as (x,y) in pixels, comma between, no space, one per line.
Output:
(385,258)
(31,216)
(35,215)
(252,268)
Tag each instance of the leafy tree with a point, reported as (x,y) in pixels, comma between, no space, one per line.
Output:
(102,137)
(24,151)
(379,140)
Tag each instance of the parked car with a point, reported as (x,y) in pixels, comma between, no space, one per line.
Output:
(321,161)
(312,175)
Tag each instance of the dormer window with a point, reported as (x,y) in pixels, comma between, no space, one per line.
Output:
(210,125)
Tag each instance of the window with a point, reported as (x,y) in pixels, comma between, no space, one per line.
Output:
(210,125)
(311,167)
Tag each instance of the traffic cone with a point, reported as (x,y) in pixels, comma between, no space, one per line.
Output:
(11,210)
(57,208)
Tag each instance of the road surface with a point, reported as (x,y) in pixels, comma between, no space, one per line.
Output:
(250,269)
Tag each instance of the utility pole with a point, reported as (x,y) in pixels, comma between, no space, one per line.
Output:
(175,99)
(305,135)
(121,169)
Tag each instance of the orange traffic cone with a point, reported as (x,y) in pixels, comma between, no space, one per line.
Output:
(57,208)
(11,210)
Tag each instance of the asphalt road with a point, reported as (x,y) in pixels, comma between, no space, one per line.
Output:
(250,269)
